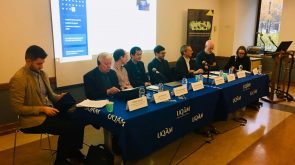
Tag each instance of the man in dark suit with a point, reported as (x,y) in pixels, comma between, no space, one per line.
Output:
(135,68)
(158,68)
(102,81)
(185,68)
(205,59)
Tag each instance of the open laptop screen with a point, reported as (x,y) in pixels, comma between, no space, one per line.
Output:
(284,45)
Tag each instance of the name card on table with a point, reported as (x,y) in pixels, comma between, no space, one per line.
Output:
(197,85)
(219,80)
(241,74)
(137,103)
(255,71)
(162,97)
(231,77)
(179,91)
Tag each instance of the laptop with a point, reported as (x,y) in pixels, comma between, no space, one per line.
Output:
(127,94)
(65,103)
(173,84)
(284,45)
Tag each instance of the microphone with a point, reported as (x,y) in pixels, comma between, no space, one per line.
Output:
(160,74)
(204,63)
(269,37)
(260,37)
(260,34)
(156,71)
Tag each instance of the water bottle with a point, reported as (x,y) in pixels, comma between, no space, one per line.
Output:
(197,78)
(230,71)
(260,69)
(201,77)
(184,81)
(241,68)
(221,73)
(161,87)
(141,92)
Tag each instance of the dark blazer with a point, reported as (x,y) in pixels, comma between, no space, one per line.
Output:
(236,62)
(96,83)
(182,70)
(136,73)
(163,74)
(209,58)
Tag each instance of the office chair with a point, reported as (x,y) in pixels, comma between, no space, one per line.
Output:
(51,151)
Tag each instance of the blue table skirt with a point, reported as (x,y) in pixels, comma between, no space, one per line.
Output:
(145,130)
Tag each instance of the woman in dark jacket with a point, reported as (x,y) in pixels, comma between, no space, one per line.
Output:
(240,58)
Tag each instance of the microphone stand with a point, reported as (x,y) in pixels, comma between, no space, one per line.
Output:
(208,73)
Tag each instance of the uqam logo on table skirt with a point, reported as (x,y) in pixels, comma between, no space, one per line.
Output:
(197,117)
(183,112)
(237,99)
(93,110)
(117,119)
(246,86)
(164,132)
(253,92)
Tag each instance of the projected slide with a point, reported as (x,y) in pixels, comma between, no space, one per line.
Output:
(73,28)
(83,28)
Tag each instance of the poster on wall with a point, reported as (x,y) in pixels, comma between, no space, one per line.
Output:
(199,28)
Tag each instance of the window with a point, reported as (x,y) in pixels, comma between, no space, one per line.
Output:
(269,24)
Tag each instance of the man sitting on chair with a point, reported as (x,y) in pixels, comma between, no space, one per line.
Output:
(101,81)
(32,98)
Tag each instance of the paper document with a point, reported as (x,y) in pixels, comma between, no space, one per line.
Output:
(152,88)
(210,76)
(215,72)
(92,103)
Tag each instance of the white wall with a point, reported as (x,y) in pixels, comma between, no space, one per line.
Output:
(237,25)
(226,28)
(23,23)
(245,23)
(27,22)
(288,23)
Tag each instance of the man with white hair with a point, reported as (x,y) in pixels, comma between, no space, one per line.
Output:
(205,59)
(101,81)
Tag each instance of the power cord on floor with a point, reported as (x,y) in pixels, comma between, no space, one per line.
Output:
(176,151)
(191,153)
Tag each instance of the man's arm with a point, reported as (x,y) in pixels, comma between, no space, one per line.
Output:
(152,74)
(90,87)
(199,60)
(17,89)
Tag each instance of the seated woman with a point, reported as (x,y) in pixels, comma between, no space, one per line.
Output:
(240,58)
(234,62)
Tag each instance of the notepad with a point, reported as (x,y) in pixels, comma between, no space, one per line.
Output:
(92,103)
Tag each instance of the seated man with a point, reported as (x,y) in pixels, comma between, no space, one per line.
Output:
(120,57)
(101,81)
(158,68)
(135,68)
(184,66)
(205,59)
(32,98)
(240,58)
